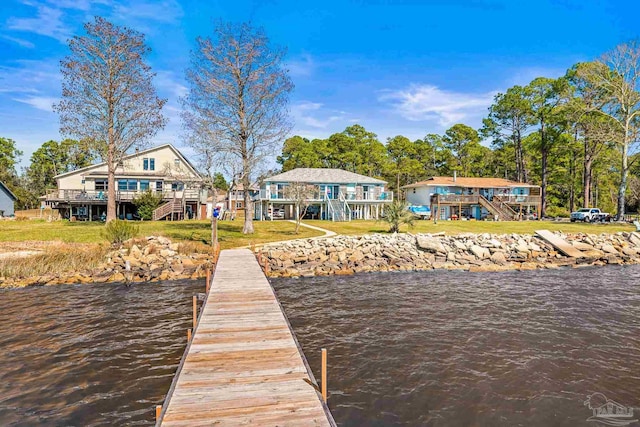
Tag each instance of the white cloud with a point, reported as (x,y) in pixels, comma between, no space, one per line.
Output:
(302,66)
(47,22)
(151,10)
(312,114)
(21,42)
(169,82)
(430,103)
(44,103)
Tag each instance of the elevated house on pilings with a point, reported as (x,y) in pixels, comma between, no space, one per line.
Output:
(339,195)
(452,197)
(163,170)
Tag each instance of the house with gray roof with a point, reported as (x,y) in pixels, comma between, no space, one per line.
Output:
(7,200)
(338,195)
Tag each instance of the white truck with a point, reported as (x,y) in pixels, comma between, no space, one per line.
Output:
(590,215)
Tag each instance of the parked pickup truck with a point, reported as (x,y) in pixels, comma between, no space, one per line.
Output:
(590,215)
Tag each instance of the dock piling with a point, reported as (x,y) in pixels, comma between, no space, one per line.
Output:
(195,311)
(324,375)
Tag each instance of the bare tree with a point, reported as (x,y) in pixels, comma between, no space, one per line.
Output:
(237,100)
(618,76)
(108,97)
(301,194)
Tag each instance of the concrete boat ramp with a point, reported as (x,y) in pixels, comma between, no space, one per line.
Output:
(560,244)
(243,365)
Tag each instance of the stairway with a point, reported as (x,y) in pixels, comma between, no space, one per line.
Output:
(171,207)
(338,209)
(499,208)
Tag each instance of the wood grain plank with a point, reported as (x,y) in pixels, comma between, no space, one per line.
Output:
(243,366)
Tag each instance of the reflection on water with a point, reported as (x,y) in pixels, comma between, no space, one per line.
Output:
(90,355)
(458,349)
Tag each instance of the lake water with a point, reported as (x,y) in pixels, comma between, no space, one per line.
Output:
(471,349)
(90,355)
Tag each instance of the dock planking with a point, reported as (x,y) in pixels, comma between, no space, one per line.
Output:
(560,244)
(243,365)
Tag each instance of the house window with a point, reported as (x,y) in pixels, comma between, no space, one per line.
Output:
(145,164)
(152,164)
(101,185)
(158,185)
(144,185)
(176,162)
(149,164)
(127,185)
(177,186)
(238,205)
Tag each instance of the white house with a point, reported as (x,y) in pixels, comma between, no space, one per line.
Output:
(339,195)
(163,170)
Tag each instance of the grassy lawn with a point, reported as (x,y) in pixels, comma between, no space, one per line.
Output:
(457,227)
(230,232)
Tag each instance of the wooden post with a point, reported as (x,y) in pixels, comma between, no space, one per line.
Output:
(158,411)
(324,375)
(208,284)
(195,311)
(188,335)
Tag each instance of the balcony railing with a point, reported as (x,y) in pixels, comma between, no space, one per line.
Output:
(475,199)
(318,196)
(455,198)
(519,199)
(121,196)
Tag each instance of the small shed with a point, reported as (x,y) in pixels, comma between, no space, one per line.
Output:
(7,199)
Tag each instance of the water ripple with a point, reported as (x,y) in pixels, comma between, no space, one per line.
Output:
(98,355)
(488,349)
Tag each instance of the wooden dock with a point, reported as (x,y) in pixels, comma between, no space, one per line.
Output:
(243,365)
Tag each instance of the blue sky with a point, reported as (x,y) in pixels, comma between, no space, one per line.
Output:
(396,67)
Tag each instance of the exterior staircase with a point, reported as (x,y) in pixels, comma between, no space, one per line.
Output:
(338,209)
(499,208)
(171,207)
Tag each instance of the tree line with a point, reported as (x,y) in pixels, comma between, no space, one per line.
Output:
(576,136)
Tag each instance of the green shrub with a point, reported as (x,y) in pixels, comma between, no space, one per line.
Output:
(117,231)
(396,214)
(146,203)
(557,211)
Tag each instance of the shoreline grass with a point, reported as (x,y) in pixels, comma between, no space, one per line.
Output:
(478,227)
(229,232)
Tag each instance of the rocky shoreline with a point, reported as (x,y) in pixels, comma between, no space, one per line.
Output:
(470,252)
(150,259)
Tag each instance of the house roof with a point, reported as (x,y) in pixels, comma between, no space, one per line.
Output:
(469,182)
(323,176)
(9,192)
(129,156)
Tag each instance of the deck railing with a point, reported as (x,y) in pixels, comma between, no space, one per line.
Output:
(519,199)
(475,199)
(101,196)
(318,196)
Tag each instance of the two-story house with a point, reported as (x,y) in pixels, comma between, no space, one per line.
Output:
(452,197)
(338,195)
(82,193)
